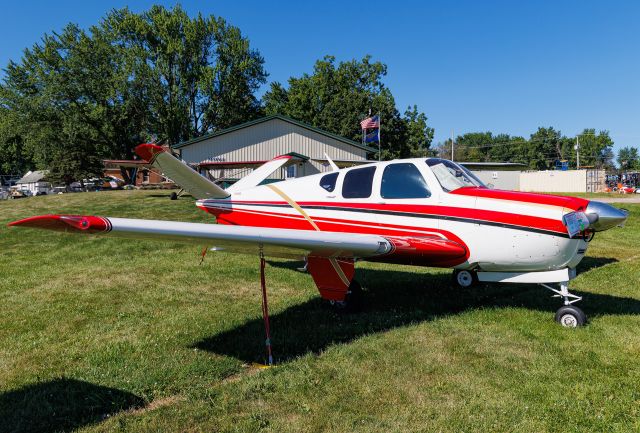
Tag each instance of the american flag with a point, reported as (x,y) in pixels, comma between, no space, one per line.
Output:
(370,122)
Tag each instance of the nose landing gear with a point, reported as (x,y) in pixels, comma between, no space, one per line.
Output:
(568,315)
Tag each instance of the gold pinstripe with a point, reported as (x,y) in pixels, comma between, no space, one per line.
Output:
(293,204)
(339,271)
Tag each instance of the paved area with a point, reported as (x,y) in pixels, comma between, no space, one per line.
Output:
(620,198)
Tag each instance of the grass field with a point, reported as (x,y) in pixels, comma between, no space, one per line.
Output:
(101,334)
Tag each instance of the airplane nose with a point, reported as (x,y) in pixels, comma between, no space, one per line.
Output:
(603,216)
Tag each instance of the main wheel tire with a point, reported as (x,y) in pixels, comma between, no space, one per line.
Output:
(570,316)
(173,196)
(464,278)
(353,301)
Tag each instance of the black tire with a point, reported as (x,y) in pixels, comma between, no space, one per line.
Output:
(570,316)
(174,196)
(355,297)
(353,301)
(465,279)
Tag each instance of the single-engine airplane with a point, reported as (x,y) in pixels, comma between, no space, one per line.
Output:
(421,211)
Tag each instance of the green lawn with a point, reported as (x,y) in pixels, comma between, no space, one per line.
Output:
(100,334)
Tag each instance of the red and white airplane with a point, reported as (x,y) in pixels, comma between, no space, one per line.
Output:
(423,211)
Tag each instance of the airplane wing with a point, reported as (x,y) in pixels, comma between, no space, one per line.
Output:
(273,242)
(183,175)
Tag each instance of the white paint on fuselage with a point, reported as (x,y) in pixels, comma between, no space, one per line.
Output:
(492,248)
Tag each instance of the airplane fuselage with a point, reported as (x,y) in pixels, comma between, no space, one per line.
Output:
(499,230)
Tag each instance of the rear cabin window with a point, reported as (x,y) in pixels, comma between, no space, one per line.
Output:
(403,180)
(357,182)
(328,181)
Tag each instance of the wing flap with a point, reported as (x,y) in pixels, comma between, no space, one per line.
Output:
(274,242)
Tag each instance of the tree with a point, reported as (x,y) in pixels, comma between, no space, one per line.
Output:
(201,74)
(419,134)
(337,97)
(80,96)
(628,158)
(13,157)
(544,148)
(72,93)
(595,149)
(539,152)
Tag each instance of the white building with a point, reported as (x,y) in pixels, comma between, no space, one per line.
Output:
(231,153)
(498,175)
(34,182)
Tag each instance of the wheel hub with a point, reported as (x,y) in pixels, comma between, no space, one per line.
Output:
(464,278)
(569,321)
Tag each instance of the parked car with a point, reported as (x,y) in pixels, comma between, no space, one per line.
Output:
(18,193)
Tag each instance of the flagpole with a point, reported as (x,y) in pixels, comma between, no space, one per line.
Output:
(379,134)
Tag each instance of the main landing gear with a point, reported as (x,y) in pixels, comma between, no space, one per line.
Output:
(353,301)
(568,315)
(465,278)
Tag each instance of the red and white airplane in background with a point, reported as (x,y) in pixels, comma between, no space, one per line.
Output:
(423,211)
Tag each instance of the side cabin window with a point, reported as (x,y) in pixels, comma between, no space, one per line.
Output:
(358,182)
(403,180)
(328,181)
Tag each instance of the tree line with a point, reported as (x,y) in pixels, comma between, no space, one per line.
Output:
(544,149)
(83,95)
(80,96)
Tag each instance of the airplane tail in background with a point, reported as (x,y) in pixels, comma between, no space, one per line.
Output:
(190,180)
(259,174)
(197,185)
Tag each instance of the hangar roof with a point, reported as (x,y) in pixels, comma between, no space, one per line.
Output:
(33,177)
(266,119)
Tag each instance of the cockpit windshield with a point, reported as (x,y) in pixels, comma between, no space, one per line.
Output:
(451,175)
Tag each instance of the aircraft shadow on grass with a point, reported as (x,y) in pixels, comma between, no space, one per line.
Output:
(392,299)
(61,405)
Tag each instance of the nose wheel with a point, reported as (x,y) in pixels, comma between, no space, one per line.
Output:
(568,315)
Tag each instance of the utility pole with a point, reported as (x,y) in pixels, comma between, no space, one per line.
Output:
(577,152)
(452,145)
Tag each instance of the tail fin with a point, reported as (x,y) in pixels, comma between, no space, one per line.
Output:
(260,173)
(183,175)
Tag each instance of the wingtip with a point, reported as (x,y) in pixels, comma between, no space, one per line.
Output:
(148,151)
(81,223)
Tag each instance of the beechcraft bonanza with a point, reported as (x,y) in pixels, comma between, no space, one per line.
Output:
(423,212)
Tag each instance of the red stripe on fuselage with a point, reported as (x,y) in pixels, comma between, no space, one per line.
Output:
(260,218)
(406,210)
(573,203)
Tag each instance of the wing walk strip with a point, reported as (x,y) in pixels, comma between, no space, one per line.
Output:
(393,213)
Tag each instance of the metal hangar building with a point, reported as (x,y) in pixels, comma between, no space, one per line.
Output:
(229,154)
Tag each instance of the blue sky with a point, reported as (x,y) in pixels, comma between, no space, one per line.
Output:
(469,65)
